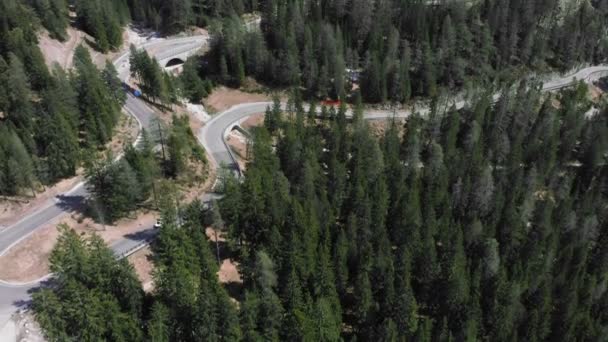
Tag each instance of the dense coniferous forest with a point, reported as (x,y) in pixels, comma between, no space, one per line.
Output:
(393,50)
(51,119)
(486,223)
(48,116)
(442,229)
(396,49)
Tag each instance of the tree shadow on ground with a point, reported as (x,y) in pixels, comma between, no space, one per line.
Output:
(144,235)
(73,203)
(26,303)
(83,206)
(235,290)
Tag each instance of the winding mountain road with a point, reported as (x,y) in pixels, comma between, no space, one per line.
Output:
(13,296)
(212,136)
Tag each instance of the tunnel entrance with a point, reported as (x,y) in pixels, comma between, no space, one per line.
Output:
(174,62)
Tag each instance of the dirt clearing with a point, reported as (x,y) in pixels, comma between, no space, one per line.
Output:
(238,142)
(223,98)
(58,52)
(595,93)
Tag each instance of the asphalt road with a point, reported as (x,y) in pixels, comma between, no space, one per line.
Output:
(213,134)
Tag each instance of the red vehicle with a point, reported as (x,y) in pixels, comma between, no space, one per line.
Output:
(331,102)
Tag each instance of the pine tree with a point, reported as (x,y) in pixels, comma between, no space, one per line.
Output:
(20,110)
(91,286)
(405,312)
(192,86)
(57,143)
(54,16)
(114,187)
(158,325)
(98,108)
(113,83)
(429,78)
(18,168)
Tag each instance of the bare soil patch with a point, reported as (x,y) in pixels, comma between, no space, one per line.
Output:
(29,259)
(555,103)
(595,93)
(100,59)
(58,52)
(142,263)
(379,127)
(250,85)
(223,98)
(255,120)
(228,271)
(238,143)
(195,30)
(62,53)
(196,119)
(197,180)
(125,133)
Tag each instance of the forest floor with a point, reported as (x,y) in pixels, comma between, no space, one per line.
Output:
(228,272)
(142,263)
(62,53)
(255,120)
